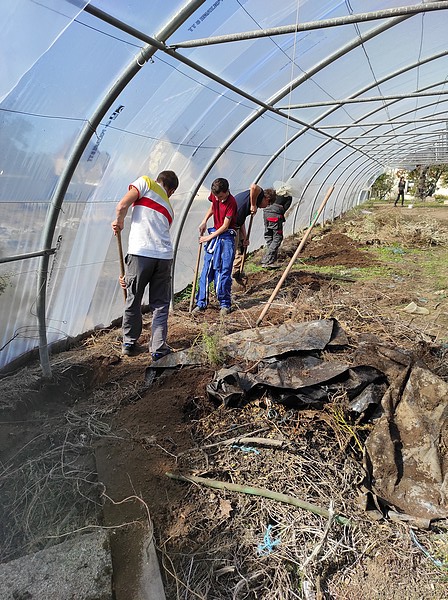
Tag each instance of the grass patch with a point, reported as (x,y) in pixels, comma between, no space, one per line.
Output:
(432,262)
(389,254)
(434,265)
(184,294)
(252,267)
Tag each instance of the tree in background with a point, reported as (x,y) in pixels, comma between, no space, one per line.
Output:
(426,178)
(382,186)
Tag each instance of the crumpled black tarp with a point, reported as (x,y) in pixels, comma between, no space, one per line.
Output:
(264,342)
(299,380)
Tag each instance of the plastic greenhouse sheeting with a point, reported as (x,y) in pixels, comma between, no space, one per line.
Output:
(92,95)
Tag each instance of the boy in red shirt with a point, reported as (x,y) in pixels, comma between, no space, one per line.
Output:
(219,247)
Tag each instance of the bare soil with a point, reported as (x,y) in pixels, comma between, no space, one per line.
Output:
(93,446)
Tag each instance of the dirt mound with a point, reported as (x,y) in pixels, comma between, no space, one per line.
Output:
(333,249)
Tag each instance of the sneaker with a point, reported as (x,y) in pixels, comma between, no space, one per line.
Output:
(225,310)
(158,355)
(128,349)
(197,309)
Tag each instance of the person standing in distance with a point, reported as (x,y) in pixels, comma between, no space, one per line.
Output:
(149,259)
(219,248)
(401,188)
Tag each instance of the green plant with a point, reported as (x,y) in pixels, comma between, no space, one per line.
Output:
(184,294)
(209,344)
(213,347)
(252,267)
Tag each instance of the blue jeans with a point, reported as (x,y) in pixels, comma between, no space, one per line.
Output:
(218,261)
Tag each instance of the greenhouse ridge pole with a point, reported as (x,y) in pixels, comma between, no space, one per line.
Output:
(366,99)
(399,11)
(81,143)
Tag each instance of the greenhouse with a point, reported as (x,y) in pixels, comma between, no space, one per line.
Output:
(93,95)
(324,102)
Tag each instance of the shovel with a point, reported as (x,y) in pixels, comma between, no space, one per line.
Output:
(120,254)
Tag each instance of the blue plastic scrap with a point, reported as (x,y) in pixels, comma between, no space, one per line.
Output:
(245,448)
(268,543)
(438,563)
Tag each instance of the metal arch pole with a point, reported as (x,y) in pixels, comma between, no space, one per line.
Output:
(346,187)
(395,124)
(388,154)
(377,109)
(337,179)
(345,158)
(309,26)
(265,106)
(314,174)
(277,97)
(350,186)
(73,160)
(363,168)
(354,159)
(379,135)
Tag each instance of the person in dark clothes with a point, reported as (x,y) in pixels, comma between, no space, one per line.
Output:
(248,202)
(401,188)
(274,217)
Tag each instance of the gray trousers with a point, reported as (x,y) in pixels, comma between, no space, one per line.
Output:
(140,272)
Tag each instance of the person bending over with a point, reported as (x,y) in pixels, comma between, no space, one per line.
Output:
(149,259)
(247,202)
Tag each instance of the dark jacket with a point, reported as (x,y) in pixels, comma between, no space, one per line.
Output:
(284,201)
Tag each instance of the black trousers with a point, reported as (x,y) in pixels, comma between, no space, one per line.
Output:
(400,195)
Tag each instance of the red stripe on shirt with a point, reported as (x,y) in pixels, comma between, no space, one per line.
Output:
(155,206)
